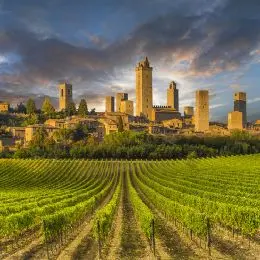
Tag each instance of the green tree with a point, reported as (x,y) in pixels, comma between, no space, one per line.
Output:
(83,108)
(63,136)
(120,124)
(21,108)
(93,111)
(39,138)
(71,110)
(79,133)
(31,120)
(47,107)
(30,107)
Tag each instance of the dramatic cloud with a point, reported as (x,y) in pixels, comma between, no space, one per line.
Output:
(185,40)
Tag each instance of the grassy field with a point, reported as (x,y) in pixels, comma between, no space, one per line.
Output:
(76,209)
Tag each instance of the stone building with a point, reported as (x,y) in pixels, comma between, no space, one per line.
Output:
(31,130)
(127,106)
(240,105)
(65,95)
(188,111)
(7,144)
(173,123)
(173,96)
(144,90)
(116,116)
(235,120)
(110,126)
(202,111)
(120,97)
(59,123)
(160,130)
(160,113)
(110,104)
(4,107)
(16,131)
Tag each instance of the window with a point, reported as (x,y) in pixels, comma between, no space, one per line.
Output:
(68,91)
(62,92)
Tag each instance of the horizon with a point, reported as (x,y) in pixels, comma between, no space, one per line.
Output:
(200,45)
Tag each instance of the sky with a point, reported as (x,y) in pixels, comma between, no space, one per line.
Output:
(95,45)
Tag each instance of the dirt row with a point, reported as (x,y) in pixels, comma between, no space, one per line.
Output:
(127,241)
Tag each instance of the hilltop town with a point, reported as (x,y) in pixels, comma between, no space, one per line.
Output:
(119,115)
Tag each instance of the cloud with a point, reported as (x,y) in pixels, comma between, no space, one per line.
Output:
(186,41)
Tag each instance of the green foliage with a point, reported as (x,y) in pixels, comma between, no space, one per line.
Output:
(79,133)
(30,107)
(58,195)
(21,108)
(83,108)
(120,124)
(142,212)
(104,217)
(47,107)
(71,110)
(39,137)
(31,120)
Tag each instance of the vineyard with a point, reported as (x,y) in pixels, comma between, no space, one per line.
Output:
(78,209)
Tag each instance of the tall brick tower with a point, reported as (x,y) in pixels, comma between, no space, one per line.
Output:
(144,89)
(65,95)
(240,105)
(202,111)
(173,96)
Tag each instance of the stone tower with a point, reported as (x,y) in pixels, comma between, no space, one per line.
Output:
(235,120)
(202,111)
(110,104)
(240,105)
(119,98)
(65,96)
(144,89)
(173,96)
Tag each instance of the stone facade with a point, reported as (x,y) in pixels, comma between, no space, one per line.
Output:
(240,105)
(119,98)
(60,123)
(110,126)
(127,106)
(173,123)
(202,111)
(65,95)
(18,132)
(4,107)
(235,120)
(173,96)
(144,90)
(110,104)
(161,113)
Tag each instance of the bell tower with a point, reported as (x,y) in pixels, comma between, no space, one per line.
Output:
(65,95)
(144,89)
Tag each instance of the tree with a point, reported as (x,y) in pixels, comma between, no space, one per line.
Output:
(31,120)
(21,108)
(39,138)
(79,133)
(93,111)
(30,106)
(63,136)
(47,107)
(71,110)
(83,108)
(120,124)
